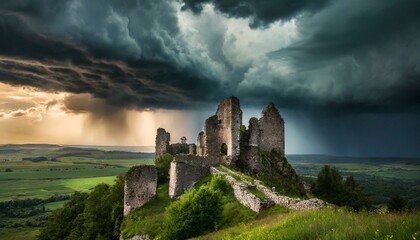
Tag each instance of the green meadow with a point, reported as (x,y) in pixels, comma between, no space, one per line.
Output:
(325,224)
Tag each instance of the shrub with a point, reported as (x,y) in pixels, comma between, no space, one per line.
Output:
(195,213)
(163,165)
(396,203)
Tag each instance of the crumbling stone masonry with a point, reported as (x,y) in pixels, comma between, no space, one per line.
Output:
(264,134)
(162,145)
(140,187)
(192,149)
(201,144)
(185,171)
(223,128)
(243,195)
(271,129)
(162,142)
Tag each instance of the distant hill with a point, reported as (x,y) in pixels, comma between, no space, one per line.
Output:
(325,159)
(17,146)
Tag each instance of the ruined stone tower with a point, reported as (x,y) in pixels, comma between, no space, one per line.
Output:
(264,134)
(162,142)
(223,131)
(271,126)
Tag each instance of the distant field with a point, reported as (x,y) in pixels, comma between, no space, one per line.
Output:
(68,169)
(41,171)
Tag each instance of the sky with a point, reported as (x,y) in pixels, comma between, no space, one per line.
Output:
(344,74)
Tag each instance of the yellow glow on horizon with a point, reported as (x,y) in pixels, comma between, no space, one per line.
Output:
(29,115)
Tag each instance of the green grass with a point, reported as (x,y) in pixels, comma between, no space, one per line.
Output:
(241,174)
(86,184)
(258,193)
(54,205)
(42,180)
(326,224)
(148,219)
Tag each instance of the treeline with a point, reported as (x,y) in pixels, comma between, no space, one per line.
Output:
(8,207)
(331,187)
(94,215)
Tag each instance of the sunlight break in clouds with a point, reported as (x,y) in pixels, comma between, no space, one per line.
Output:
(29,115)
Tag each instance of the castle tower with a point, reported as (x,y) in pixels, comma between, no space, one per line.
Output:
(222,132)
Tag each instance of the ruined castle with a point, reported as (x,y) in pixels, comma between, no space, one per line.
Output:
(225,130)
(224,140)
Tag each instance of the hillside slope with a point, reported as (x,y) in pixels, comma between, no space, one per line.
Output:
(325,224)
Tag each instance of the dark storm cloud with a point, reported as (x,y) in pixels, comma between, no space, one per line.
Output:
(350,56)
(261,13)
(123,52)
(358,56)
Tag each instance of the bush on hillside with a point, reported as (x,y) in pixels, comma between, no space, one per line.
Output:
(195,213)
(396,203)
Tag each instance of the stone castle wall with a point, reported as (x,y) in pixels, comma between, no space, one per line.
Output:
(243,195)
(140,187)
(185,171)
(179,148)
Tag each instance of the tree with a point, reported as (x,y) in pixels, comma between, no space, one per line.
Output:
(61,222)
(329,184)
(96,215)
(396,203)
(331,188)
(354,196)
(183,140)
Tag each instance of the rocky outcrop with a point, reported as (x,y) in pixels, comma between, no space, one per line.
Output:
(140,187)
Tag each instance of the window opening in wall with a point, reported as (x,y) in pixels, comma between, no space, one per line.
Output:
(223,149)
